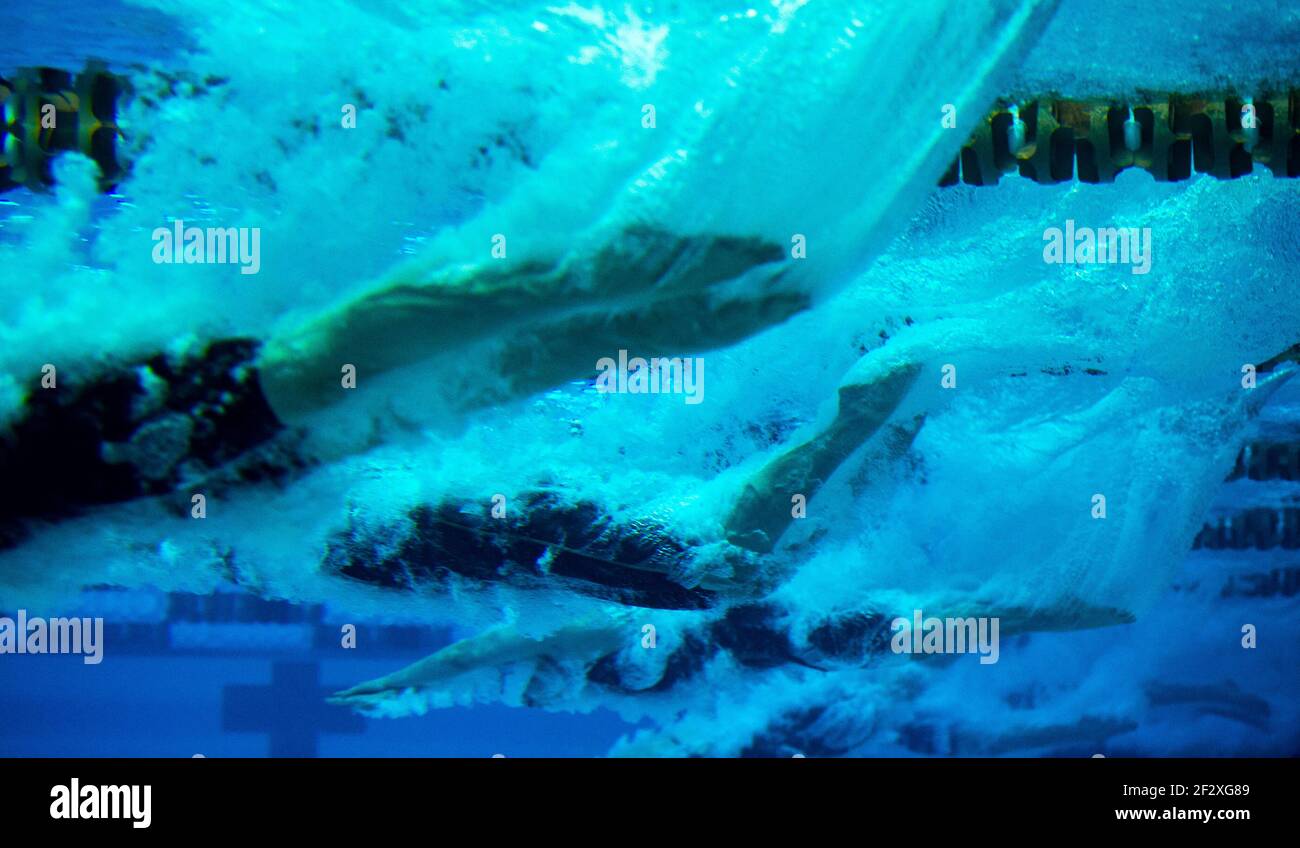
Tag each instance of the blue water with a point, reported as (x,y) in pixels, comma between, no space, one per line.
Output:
(154,699)
(527,120)
(158,701)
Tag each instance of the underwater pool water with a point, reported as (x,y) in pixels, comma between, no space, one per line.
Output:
(615,379)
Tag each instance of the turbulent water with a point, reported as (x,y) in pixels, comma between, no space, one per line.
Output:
(894,404)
